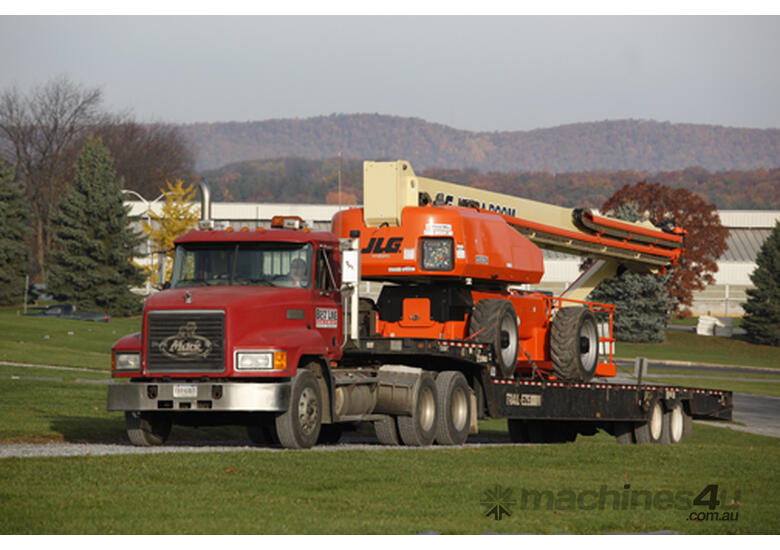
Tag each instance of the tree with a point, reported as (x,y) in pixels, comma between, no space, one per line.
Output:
(179,214)
(762,309)
(705,240)
(641,299)
(14,230)
(92,262)
(40,131)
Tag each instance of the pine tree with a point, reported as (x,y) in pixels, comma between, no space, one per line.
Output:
(762,309)
(15,220)
(94,244)
(642,301)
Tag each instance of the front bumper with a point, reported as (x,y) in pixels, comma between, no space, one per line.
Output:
(201,396)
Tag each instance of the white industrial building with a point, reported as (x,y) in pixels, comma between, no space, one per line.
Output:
(748,229)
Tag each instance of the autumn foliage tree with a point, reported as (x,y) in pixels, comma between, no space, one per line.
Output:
(178,215)
(705,238)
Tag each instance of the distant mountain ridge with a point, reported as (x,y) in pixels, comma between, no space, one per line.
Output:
(644,145)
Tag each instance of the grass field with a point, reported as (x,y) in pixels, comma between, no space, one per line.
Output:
(583,487)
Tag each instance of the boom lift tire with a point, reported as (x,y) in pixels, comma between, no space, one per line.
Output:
(495,322)
(147,429)
(454,415)
(574,344)
(299,426)
(419,429)
(387,431)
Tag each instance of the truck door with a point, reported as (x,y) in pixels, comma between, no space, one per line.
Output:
(327,298)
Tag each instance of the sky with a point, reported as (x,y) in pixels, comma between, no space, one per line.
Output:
(480,73)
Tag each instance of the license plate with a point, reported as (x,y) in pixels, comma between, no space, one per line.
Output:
(185,391)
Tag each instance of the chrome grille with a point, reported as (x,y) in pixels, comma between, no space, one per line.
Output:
(186,341)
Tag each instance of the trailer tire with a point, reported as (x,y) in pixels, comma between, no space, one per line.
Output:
(419,429)
(147,429)
(574,344)
(386,431)
(454,415)
(299,426)
(495,322)
(655,430)
(674,421)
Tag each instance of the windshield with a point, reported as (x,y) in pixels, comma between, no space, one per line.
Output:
(259,264)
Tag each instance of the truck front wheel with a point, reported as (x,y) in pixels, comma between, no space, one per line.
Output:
(299,426)
(147,429)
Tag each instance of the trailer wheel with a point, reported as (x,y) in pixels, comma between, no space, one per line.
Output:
(454,415)
(674,421)
(419,430)
(147,429)
(495,322)
(299,426)
(655,429)
(518,430)
(387,431)
(574,344)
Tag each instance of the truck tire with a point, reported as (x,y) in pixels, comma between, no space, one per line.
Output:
(654,430)
(674,421)
(147,429)
(454,415)
(387,431)
(419,430)
(262,433)
(495,322)
(574,344)
(299,426)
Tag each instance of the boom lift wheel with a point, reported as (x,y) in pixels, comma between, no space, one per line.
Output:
(147,429)
(419,429)
(574,344)
(495,322)
(454,415)
(299,426)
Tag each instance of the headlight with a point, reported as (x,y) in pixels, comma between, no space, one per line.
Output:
(261,360)
(437,254)
(127,361)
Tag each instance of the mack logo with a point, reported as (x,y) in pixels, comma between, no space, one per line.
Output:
(186,344)
(376,246)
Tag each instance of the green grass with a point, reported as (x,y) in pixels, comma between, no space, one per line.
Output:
(685,346)
(396,491)
(60,341)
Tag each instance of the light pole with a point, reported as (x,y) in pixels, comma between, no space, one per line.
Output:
(148,205)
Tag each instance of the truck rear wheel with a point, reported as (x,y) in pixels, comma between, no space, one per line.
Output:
(299,426)
(674,421)
(419,430)
(574,344)
(387,431)
(655,430)
(495,322)
(454,415)
(147,429)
